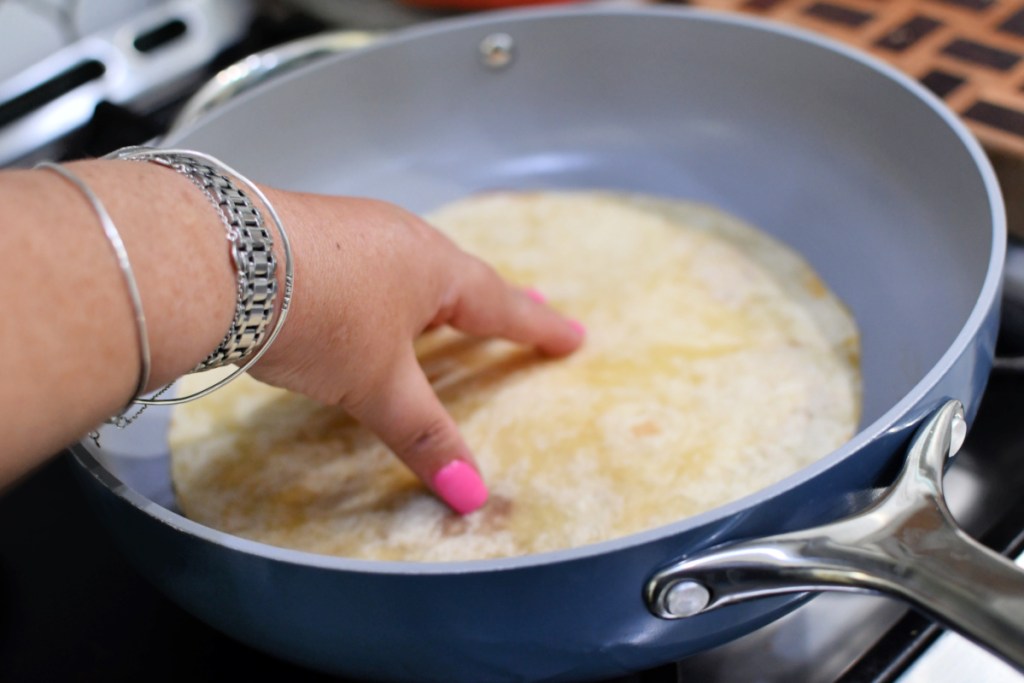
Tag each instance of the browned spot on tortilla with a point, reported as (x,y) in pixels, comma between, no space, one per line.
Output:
(454,525)
(646,428)
(815,287)
(496,513)
(493,517)
(851,348)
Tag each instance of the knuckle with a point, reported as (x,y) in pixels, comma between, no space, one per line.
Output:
(481,272)
(426,439)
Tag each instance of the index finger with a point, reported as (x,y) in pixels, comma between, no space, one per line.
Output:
(486,305)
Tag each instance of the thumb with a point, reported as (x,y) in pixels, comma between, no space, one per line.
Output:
(411,420)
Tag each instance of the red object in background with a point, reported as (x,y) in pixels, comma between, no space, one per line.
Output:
(480,4)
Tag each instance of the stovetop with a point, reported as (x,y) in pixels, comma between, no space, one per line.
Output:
(71,608)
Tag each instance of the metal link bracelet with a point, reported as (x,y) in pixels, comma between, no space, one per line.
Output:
(251,253)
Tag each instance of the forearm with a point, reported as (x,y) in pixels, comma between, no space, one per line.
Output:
(371,278)
(69,354)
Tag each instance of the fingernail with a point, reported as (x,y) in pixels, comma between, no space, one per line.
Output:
(459,485)
(579,327)
(536,295)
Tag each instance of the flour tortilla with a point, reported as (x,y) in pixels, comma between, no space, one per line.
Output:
(716,363)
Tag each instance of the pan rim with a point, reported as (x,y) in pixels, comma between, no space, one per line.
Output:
(892,418)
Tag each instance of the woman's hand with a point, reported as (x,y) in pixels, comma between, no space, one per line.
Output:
(370,277)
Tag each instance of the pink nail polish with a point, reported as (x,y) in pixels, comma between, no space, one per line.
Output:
(579,327)
(536,295)
(459,485)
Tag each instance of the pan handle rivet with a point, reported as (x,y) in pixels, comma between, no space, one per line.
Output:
(496,50)
(686,598)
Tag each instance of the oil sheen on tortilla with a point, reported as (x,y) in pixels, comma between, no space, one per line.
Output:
(716,363)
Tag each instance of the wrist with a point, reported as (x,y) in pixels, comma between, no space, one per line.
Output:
(288,208)
(234,199)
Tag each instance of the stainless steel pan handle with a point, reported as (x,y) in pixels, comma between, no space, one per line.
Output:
(260,67)
(906,544)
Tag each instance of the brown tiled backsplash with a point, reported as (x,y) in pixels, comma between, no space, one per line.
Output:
(968,52)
